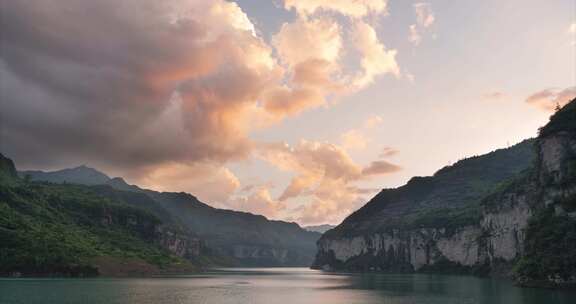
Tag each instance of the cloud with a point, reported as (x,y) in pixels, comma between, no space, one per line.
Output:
(354,8)
(549,99)
(185,75)
(211,183)
(321,36)
(168,92)
(376,59)
(388,151)
(324,176)
(380,167)
(356,139)
(424,20)
(259,202)
(373,121)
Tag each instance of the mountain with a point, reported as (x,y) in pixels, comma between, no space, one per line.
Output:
(7,169)
(80,175)
(319,228)
(510,212)
(236,238)
(49,229)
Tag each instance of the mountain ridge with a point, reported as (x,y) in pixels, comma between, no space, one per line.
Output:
(522,225)
(242,238)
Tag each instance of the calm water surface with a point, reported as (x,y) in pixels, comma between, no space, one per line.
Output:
(277,286)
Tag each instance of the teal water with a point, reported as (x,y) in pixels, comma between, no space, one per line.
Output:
(277,286)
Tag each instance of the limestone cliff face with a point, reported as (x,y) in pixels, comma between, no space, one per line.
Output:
(402,250)
(149,228)
(180,244)
(494,241)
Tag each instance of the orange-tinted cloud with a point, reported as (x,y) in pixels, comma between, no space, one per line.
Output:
(351,8)
(356,139)
(549,99)
(324,176)
(167,92)
(424,20)
(210,182)
(376,59)
(259,202)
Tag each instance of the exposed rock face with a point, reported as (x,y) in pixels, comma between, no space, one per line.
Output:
(180,244)
(149,228)
(404,251)
(494,241)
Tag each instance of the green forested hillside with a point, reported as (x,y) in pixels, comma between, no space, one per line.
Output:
(450,198)
(231,237)
(51,229)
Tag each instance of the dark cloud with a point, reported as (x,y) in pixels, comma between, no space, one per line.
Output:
(128,84)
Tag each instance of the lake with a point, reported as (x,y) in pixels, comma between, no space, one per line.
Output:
(277,286)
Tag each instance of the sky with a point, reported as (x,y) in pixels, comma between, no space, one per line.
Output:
(300,110)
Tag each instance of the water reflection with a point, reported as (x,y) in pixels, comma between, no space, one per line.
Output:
(277,285)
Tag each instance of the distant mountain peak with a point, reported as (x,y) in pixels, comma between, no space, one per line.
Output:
(78,175)
(319,228)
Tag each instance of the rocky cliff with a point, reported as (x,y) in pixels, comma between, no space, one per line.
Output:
(441,224)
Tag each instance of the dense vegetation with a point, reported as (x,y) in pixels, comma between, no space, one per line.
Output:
(231,237)
(450,199)
(563,120)
(50,229)
(550,248)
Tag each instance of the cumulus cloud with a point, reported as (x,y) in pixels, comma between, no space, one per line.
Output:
(549,99)
(316,69)
(424,20)
(209,182)
(376,59)
(351,8)
(324,174)
(185,75)
(168,92)
(259,202)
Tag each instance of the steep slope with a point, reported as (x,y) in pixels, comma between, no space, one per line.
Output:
(445,224)
(8,171)
(63,229)
(417,225)
(248,239)
(234,238)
